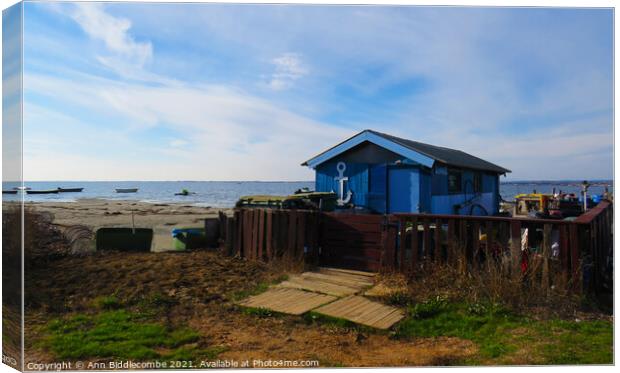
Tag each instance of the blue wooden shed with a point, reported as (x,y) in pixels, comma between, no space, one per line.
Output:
(388,174)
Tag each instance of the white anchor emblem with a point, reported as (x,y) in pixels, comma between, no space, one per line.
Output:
(342,200)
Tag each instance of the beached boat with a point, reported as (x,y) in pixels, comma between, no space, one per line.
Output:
(51,191)
(126,190)
(9,192)
(70,190)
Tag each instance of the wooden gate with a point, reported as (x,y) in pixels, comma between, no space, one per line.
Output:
(352,241)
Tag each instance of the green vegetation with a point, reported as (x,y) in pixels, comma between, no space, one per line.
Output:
(107,303)
(119,334)
(501,335)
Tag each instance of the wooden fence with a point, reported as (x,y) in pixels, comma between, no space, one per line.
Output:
(555,252)
(266,234)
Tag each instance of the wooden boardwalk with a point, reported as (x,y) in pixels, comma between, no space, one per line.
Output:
(336,282)
(291,301)
(330,292)
(363,311)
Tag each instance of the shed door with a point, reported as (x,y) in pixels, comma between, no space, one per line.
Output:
(403,189)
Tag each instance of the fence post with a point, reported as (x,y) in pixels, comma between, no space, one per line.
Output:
(427,240)
(401,244)
(388,238)
(515,248)
(414,243)
(574,258)
(545,252)
(437,250)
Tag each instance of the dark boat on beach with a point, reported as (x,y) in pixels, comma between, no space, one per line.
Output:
(51,191)
(126,190)
(70,190)
(9,192)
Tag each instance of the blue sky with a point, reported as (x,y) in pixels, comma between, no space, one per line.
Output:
(138,91)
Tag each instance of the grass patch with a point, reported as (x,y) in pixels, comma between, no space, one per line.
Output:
(585,342)
(500,333)
(109,302)
(118,334)
(260,312)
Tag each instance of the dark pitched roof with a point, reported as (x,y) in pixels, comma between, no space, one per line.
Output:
(450,157)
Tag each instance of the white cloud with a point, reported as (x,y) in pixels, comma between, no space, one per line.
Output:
(124,52)
(235,135)
(289,67)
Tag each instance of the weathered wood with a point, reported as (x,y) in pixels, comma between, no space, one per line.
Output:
(427,240)
(475,243)
(546,251)
(452,245)
(564,253)
(292,228)
(239,232)
(574,258)
(269,234)
(414,243)
(437,257)
(389,244)
(515,249)
(301,235)
(401,244)
(261,233)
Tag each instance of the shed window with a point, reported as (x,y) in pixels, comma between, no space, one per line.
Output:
(454,181)
(477,182)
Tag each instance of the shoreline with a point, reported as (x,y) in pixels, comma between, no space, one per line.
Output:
(95,213)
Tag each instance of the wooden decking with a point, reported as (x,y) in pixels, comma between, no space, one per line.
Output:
(291,301)
(330,292)
(363,311)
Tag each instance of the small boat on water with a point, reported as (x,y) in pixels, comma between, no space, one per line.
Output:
(22,188)
(9,192)
(51,191)
(126,190)
(70,190)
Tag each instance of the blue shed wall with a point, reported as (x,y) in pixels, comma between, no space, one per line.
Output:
(357,173)
(369,184)
(443,202)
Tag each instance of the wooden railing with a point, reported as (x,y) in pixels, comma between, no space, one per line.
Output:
(573,254)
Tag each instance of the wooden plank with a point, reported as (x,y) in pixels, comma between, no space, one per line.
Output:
(488,247)
(437,257)
(546,253)
(462,248)
(261,233)
(427,240)
(269,234)
(451,250)
(564,252)
(362,311)
(318,286)
(237,241)
(301,235)
(414,243)
(338,280)
(292,229)
(574,258)
(475,243)
(401,244)
(348,272)
(254,242)
(290,301)
(515,248)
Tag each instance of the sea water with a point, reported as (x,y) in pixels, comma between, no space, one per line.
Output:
(226,193)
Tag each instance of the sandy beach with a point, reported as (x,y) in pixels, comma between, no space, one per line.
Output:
(98,213)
